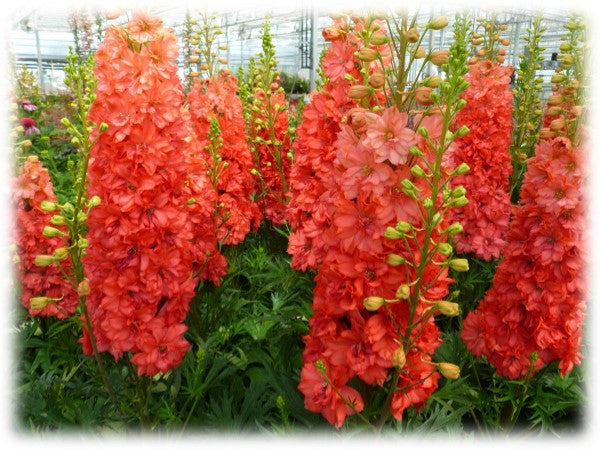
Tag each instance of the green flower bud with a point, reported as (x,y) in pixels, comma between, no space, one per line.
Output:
(444,248)
(392,234)
(459,264)
(47,205)
(459,191)
(404,227)
(94,201)
(454,228)
(44,260)
(449,370)
(39,302)
(373,303)
(51,232)
(403,291)
(463,168)
(414,150)
(395,260)
(462,131)
(418,171)
(460,202)
(61,253)
(103,127)
(447,308)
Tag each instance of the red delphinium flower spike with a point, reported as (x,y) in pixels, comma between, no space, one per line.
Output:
(32,186)
(216,98)
(536,302)
(144,256)
(346,190)
(486,150)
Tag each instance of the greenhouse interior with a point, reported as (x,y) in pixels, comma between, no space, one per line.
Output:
(284,220)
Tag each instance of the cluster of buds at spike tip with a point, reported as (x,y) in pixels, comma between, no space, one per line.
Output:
(488,35)
(567,85)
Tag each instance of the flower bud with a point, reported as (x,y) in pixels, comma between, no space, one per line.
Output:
(558,78)
(432,81)
(399,358)
(546,133)
(438,23)
(460,202)
(462,131)
(555,100)
(379,38)
(557,124)
(463,168)
(459,264)
(373,303)
(403,291)
(194,59)
(423,95)
(65,121)
(420,53)
(444,248)
(555,111)
(412,35)
(439,57)
(395,260)
(404,227)
(61,253)
(47,205)
(447,308)
(44,260)
(358,92)
(449,370)
(414,150)
(377,80)
(565,47)
(331,33)
(51,232)
(505,41)
(418,171)
(39,302)
(459,191)
(83,289)
(103,127)
(407,185)
(454,228)
(392,234)
(367,54)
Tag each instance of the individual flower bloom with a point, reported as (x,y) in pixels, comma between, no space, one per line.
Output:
(27,105)
(339,61)
(29,126)
(144,27)
(160,347)
(319,396)
(389,136)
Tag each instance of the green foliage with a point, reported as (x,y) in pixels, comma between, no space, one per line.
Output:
(293,83)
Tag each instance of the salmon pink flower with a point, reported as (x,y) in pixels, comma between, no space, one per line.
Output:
(388,136)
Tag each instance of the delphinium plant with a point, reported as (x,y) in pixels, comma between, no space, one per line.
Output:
(527,110)
(267,130)
(384,248)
